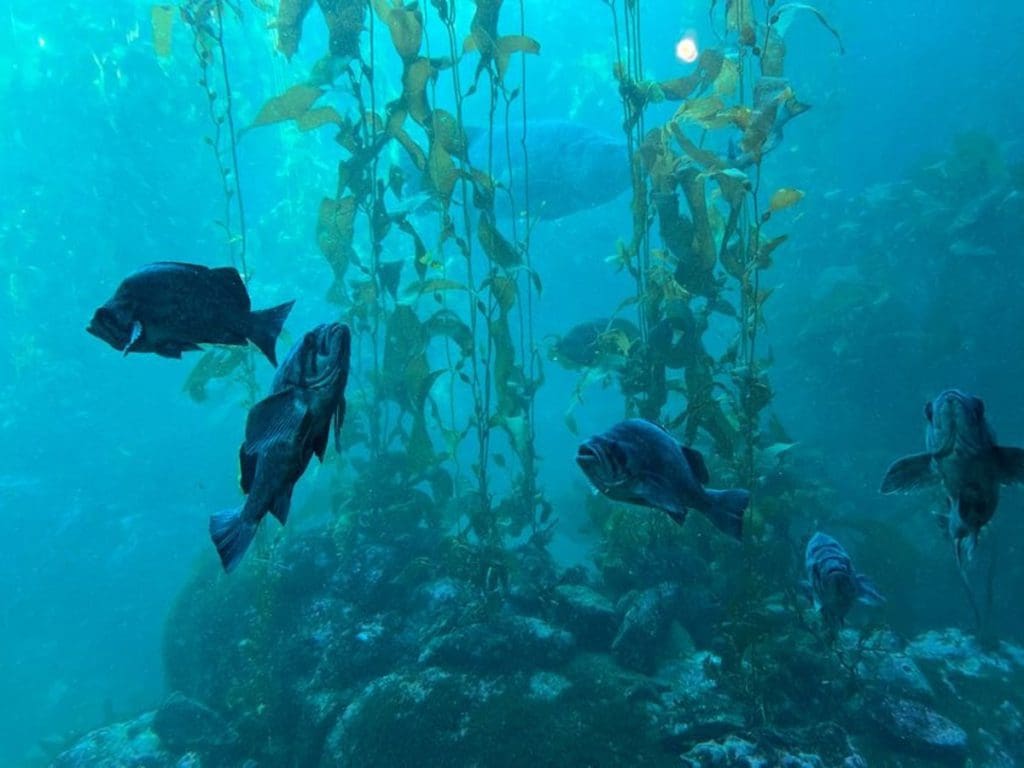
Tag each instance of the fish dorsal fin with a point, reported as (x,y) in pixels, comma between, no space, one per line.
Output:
(696,461)
(278,417)
(133,339)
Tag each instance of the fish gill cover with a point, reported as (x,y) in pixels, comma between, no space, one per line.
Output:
(424,605)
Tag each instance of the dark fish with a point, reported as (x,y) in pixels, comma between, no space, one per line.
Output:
(960,454)
(638,462)
(283,432)
(169,308)
(833,583)
(600,342)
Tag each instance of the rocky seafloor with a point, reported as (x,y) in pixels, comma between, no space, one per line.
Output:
(421,651)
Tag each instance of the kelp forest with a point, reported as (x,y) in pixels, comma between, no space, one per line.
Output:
(419,607)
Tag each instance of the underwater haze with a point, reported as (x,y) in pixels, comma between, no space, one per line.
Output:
(786,235)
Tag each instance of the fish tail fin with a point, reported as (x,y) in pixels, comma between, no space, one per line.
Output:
(265,326)
(231,534)
(726,510)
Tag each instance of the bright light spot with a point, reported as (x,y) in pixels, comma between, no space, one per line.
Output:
(686,49)
(42,41)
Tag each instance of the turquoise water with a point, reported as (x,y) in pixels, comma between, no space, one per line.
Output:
(901,278)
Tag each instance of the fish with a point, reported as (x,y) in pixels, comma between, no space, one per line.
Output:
(171,307)
(602,342)
(573,167)
(282,434)
(961,456)
(833,583)
(639,462)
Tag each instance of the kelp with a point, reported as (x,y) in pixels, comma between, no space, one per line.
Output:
(290,15)
(344,19)
(214,364)
(493,48)
(162,21)
(334,233)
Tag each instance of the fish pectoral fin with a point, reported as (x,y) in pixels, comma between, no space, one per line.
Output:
(278,417)
(247,468)
(135,336)
(1010,462)
(696,461)
(867,592)
(909,474)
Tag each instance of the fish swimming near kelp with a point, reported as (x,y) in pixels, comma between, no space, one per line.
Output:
(638,462)
(833,583)
(572,167)
(172,307)
(283,432)
(603,343)
(961,454)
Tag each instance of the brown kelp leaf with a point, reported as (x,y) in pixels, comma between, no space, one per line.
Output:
(162,19)
(503,289)
(709,68)
(405,25)
(317,117)
(785,197)
(783,15)
(774,54)
(290,105)
(739,18)
(447,132)
(447,323)
(389,273)
(510,44)
(700,111)
(290,15)
(415,77)
(345,22)
(728,78)
(214,364)
(334,231)
(498,249)
(766,248)
(703,157)
(442,172)
(436,285)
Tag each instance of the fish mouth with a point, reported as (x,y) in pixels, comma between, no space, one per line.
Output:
(105,325)
(594,465)
(327,358)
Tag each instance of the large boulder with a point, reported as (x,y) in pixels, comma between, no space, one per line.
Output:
(509,643)
(919,731)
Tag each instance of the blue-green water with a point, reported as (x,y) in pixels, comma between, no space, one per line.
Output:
(109,471)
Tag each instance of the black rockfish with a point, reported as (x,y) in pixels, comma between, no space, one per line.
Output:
(961,454)
(638,462)
(283,432)
(833,583)
(170,307)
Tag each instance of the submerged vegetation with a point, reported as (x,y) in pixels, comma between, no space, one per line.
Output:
(421,614)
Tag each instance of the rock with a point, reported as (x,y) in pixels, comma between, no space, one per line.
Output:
(734,752)
(131,744)
(507,644)
(644,627)
(920,731)
(183,725)
(587,614)
(895,674)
